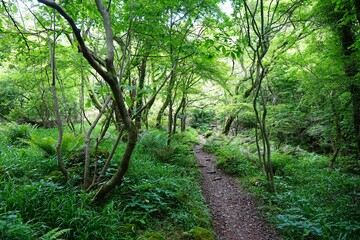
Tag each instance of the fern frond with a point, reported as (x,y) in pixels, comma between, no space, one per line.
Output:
(53,234)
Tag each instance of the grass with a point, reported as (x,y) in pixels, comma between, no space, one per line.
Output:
(157,198)
(312,202)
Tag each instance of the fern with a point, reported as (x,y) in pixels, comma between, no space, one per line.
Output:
(55,233)
(70,143)
(47,144)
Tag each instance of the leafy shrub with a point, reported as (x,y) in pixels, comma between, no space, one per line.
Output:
(246,119)
(164,154)
(315,202)
(46,144)
(149,141)
(9,97)
(202,119)
(233,165)
(71,144)
(280,163)
(152,236)
(297,224)
(214,143)
(199,233)
(146,200)
(229,156)
(16,134)
(13,227)
(188,137)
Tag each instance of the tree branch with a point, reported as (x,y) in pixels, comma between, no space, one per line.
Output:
(15,24)
(109,36)
(87,54)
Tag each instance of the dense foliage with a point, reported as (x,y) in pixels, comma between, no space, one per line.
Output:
(158,195)
(96,98)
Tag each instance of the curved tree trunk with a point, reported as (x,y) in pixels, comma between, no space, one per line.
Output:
(110,76)
(259,44)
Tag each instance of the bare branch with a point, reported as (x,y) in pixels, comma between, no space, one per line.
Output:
(15,24)
(88,139)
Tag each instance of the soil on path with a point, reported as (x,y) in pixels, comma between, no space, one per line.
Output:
(234,212)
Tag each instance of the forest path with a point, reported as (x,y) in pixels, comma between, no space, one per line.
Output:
(234,212)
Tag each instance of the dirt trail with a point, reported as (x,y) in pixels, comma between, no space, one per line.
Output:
(234,213)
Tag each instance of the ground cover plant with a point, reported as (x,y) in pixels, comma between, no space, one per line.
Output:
(282,77)
(159,197)
(311,202)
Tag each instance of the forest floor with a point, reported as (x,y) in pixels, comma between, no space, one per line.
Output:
(234,212)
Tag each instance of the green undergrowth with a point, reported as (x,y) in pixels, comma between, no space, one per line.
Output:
(159,199)
(312,201)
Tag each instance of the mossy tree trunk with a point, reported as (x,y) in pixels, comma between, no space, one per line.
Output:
(227,125)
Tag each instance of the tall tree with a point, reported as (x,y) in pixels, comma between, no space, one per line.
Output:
(343,18)
(112,78)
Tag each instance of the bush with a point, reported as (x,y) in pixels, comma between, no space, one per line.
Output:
(230,157)
(13,227)
(152,236)
(71,144)
(16,134)
(10,96)
(199,233)
(202,119)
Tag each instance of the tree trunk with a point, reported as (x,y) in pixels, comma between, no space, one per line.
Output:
(180,107)
(355,95)
(86,180)
(338,132)
(170,122)
(183,117)
(146,112)
(111,155)
(170,106)
(351,71)
(139,99)
(161,111)
(57,108)
(259,43)
(92,94)
(333,159)
(357,8)
(227,125)
(82,97)
(111,78)
(116,179)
